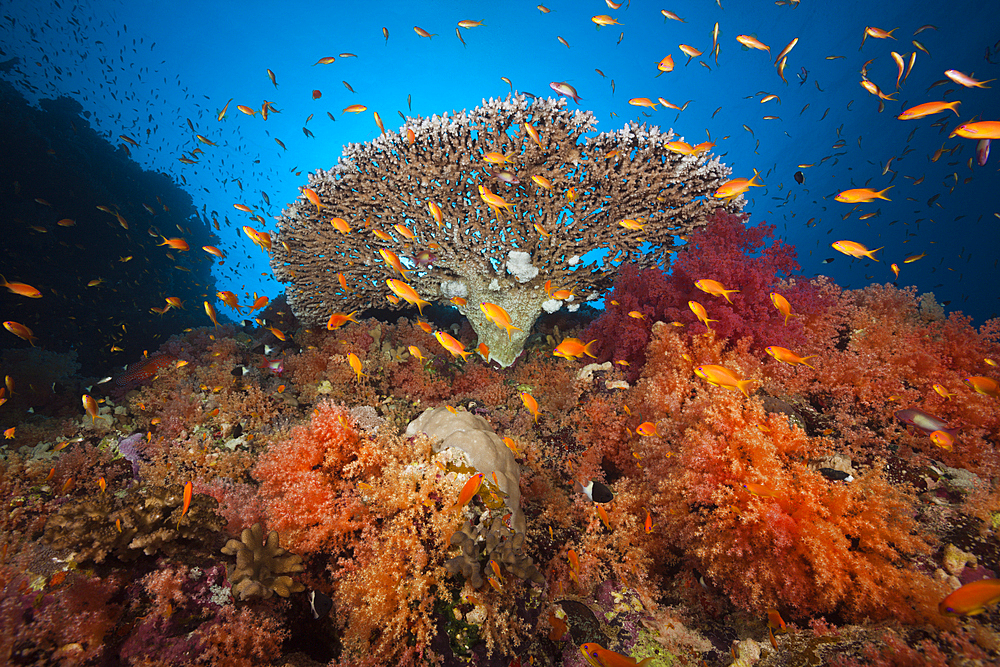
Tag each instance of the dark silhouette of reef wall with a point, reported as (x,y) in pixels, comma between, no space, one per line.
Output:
(56,167)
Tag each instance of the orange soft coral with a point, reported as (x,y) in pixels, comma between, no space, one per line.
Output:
(797,540)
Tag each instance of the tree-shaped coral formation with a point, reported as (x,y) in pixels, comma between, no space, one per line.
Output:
(472,205)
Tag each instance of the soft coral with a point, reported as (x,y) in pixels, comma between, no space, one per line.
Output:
(306,481)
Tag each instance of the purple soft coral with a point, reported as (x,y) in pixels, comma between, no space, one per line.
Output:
(130,451)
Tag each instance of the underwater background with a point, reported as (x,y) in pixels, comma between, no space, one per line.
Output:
(200,468)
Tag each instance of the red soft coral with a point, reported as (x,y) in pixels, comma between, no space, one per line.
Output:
(306,481)
(740,257)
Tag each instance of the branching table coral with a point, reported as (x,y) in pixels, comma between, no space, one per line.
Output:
(470,205)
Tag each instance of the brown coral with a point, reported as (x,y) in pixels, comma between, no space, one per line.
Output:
(479,253)
(146,520)
(262,567)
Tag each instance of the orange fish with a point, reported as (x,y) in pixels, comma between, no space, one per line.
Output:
(20,331)
(340,225)
(494,200)
(700,313)
(449,343)
(498,316)
(313,197)
(436,212)
(423,33)
(598,656)
(571,348)
(355,108)
(720,376)
(781,303)
(737,186)
(965,79)
(979,384)
(230,299)
(210,311)
(943,439)
(338,320)
(90,405)
(760,490)
(188,492)
(212,250)
(647,429)
(648,523)
(753,43)
(984,129)
(407,293)
(715,288)
(861,195)
(530,403)
(971,599)
(415,351)
(176,244)
(875,90)
(786,356)
(855,249)
(470,489)
(533,133)
(927,109)
(940,389)
(666,65)
(9,433)
(22,289)
(355,363)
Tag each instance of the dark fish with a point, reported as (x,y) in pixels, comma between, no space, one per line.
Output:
(800,178)
(597,492)
(836,475)
(827,260)
(319,604)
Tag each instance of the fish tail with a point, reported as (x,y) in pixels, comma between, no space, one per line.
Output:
(587,350)
(803,361)
(881,193)
(743,385)
(871,253)
(952,105)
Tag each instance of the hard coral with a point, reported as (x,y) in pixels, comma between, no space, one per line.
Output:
(484,259)
(145,521)
(262,567)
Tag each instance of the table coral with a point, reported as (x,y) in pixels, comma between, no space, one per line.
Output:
(432,190)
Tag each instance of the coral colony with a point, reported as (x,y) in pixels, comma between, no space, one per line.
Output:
(729,464)
(419,195)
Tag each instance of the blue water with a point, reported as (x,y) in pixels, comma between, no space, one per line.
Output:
(152,67)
